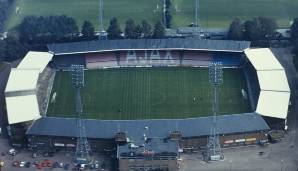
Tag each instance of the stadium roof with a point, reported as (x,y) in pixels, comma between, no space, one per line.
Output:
(141,44)
(263,59)
(275,90)
(273,104)
(22,80)
(38,60)
(160,128)
(275,80)
(22,108)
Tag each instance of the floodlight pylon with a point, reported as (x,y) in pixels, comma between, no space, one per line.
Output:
(214,151)
(83,150)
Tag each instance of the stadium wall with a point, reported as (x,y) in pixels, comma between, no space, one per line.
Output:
(187,144)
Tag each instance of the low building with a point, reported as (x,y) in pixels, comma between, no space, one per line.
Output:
(148,154)
(129,139)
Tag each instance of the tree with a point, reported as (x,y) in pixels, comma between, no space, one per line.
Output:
(252,30)
(2,50)
(49,29)
(88,31)
(260,28)
(236,30)
(168,18)
(146,29)
(14,49)
(114,31)
(130,28)
(294,31)
(168,14)
(168,3)
(295,56)
(159,30)
(268,27)
(294,40)
(138,32)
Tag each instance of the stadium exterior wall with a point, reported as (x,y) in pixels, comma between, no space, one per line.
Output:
(187,144)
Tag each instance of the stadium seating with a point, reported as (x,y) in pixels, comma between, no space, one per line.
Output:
(149,58)
(228,59)
(100,60)
(65,61)
(194,58)
(252,84)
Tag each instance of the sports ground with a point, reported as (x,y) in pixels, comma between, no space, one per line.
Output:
(213,13)
(148,93)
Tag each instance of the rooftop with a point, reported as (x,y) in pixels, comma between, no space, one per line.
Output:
(153,147)
(22,80)
(37,60)
(157,128)
(141,44)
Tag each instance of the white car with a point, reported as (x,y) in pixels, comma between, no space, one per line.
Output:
(22,164)
(12,152)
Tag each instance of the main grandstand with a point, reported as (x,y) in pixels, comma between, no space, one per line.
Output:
(261,89)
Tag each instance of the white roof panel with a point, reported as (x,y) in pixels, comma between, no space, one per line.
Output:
(263,59)
(22,108)
(22,79)
(273,104)
(38,60)
(275,80)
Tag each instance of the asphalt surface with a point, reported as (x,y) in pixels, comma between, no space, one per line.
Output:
(61,157)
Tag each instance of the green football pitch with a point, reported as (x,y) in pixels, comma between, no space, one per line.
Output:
(148,93)
(212,13)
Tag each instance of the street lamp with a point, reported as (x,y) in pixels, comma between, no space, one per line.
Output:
(281,164)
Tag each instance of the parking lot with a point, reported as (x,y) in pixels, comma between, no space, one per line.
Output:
(59,161)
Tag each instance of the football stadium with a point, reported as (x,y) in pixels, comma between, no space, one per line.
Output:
(148,95)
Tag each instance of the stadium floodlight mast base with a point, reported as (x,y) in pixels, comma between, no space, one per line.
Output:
(214,152)
(83,150)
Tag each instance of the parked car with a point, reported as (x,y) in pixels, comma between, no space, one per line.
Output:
(38,166)
(55,165)
(96,164)
(22,164)
(103,166)
(27,164)
(12,152)
(36,162)
(61,165)
(66,166)
(16,163)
